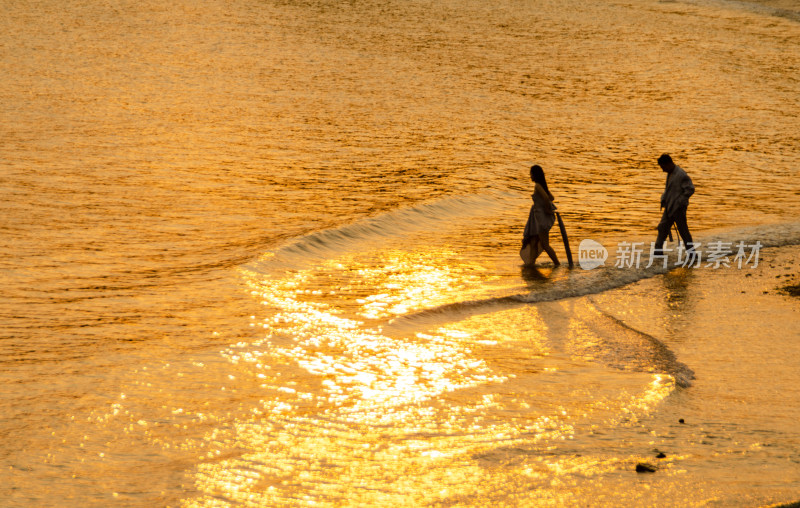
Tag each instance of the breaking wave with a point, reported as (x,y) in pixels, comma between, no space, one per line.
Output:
(368,233)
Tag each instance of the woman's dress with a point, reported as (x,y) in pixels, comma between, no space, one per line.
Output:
(540,218)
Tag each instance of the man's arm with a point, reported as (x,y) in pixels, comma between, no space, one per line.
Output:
(687,189)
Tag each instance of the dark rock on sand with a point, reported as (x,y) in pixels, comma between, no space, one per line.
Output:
(791,290)
(644,467)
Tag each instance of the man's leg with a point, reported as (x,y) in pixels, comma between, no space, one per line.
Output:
(683,228)
(663,231)
(692,257)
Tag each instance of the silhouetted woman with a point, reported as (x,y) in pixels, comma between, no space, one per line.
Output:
(536,236)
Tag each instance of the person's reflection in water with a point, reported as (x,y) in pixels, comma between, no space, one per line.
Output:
(679,304)
(534,275)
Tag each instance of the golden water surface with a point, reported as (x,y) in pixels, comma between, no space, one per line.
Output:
(264,253)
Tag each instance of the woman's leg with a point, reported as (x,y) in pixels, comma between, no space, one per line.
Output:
(545,239)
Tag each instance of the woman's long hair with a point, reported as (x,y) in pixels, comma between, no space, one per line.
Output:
(537,175)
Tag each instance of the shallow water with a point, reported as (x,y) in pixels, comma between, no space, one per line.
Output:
(265,253)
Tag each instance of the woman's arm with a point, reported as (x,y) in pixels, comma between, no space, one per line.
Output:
(545,194)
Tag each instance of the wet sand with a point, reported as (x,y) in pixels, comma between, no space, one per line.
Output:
(778,4)
(734,329)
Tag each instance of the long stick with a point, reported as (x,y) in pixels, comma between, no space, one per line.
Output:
(566,240)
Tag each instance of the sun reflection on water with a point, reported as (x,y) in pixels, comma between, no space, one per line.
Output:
(357,367)
(350,414)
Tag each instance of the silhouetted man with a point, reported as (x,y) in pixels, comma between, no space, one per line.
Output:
(674,201)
